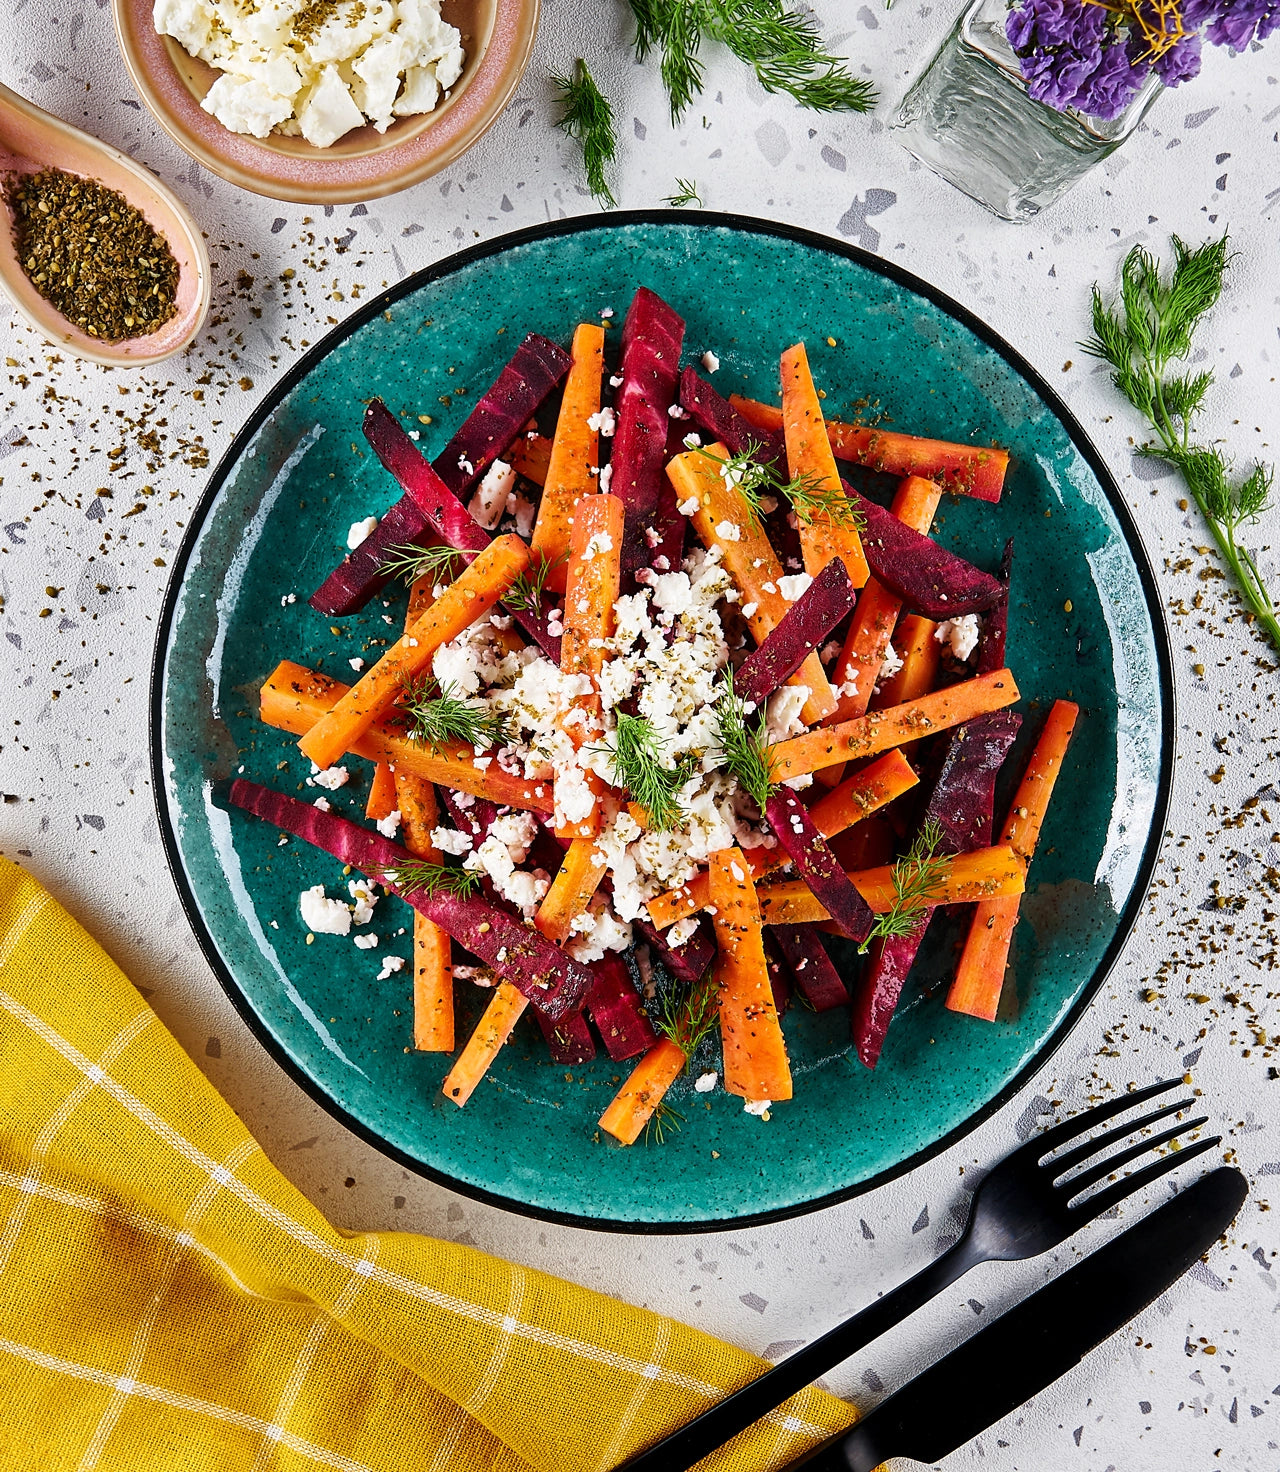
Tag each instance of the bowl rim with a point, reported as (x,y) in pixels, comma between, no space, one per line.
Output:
(379,178)
(580,224)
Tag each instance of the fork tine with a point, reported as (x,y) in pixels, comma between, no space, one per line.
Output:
(1107,1167)
(1094,1206)
(1063,1163)
(1079,1123)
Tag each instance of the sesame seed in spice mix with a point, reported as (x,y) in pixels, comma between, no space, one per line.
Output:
(91,254)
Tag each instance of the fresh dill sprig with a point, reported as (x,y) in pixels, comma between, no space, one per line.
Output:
(809,499)
(745,747)
(686,193)
(438,718)
(687,1014)
(662,1119)
(781,46)
(917,878)
(1141,336)
(636,755)
(587,116)
(746,473)
(420,877)
(526,593)
(411,563)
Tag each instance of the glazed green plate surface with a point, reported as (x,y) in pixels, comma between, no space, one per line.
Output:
(1083,624)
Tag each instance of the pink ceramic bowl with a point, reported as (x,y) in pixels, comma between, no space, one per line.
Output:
(365,164)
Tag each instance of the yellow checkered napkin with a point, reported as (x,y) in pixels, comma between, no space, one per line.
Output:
(170,1303)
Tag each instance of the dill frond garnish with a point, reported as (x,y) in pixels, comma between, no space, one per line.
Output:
(686,193)
(420,877)
(746,473)
(411,563)
(636,755)
(745,747)
(809,498)
(436,719)
(687,1014)
(917,878)
(662,1119)
(781,46)
(1141,336)
(526,593)
(587,116)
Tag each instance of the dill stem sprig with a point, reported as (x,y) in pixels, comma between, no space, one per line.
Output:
(636,757)
(587,116)
(687,1014)
(744,748)
(686,193)
(421,877)
(436,719)
(917,878)
(1141,336)
(526,593)
(411,563)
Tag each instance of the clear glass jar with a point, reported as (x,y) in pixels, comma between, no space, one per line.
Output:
(969,118)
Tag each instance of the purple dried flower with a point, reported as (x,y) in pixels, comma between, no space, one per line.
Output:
(1073,54)
(1180,63)
(1240,21)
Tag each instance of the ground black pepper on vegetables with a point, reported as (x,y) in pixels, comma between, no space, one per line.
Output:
(91,254)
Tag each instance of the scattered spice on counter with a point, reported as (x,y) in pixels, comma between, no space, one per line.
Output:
(91,254)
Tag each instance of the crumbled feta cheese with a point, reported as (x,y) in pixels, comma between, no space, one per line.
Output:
(451,841)
(356,663)
(323,916)
(595,933)
(615,380)
(288,599)
(693,440)
(363,899)
(783,716)
(390,965)
(359,530)
(682,931)
(603,422)
(323,804)
(705,1082)
(758,1107)
(891,664)
(489,501)
(830,651)
(676,412)
(390,825)
(769,587)
(728,531)
(606,312)
(710,362)
(792,587)
(961,634)
(600,542)
(331,778)
(749,610)
(606,479)
(365,942)
(689,507)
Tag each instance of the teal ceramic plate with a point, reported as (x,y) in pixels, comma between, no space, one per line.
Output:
(1084,623)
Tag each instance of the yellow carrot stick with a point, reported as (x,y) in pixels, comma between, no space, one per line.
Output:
(432,951)
(484,1045)
(573,468)
(822,536)
(594,578)
(755,1055)
(373,695)
(572,890)
(920,654)
(855,799)
(979,977)
(983,874)
(293,698)
(879,730)
(722,519)
(633,1105)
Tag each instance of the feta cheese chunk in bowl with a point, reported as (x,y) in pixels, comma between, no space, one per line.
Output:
(325,101)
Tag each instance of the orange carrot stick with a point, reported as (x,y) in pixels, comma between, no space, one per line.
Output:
(373,695)
(571,890)
(382,793)
(575,453)
(822,536)
(483,1046)
(293,698)
(633,1105)
(979,977)
(432,952)
(755,1055)
(983,874)
(722,519)
(857,797)
(593,581)
(879,730)
(973,470)
(531,457)
(920,654)
(877,612)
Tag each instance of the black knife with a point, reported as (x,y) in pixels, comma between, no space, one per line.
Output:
(1028,1348)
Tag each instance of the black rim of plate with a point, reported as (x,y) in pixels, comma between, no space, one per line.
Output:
(747,225)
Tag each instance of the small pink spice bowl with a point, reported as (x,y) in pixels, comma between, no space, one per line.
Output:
(32,139)
(364,164)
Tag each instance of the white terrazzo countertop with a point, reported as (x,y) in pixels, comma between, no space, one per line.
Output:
(1193,1385)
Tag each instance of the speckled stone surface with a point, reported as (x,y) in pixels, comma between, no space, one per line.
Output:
(1194,1384)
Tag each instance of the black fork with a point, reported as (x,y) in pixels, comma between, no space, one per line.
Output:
(1028,1204)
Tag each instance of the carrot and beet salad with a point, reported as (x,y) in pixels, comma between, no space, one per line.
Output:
(674,705)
